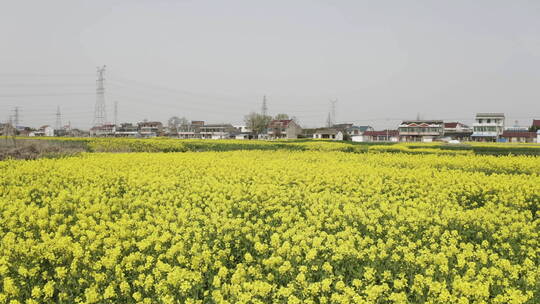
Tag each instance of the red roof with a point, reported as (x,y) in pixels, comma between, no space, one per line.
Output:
(519,134)
(450,124)
(382,133)
(536,123)
(280,123)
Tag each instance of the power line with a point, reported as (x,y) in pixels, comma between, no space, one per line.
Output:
(29,85)
(44,94)
(44,75)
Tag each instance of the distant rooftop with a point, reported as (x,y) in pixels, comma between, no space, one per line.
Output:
(489,114)
(422,122)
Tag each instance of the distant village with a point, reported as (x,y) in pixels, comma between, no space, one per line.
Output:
(488,127)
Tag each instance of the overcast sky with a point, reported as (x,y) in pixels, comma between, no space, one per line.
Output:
(214,60)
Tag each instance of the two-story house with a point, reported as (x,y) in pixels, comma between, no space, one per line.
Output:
(283,128)
(420,130)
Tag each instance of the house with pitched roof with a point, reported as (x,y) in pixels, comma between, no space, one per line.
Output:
(283,128)
(457,131)
(328,133)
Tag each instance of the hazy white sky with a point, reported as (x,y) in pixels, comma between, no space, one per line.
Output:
(214,60)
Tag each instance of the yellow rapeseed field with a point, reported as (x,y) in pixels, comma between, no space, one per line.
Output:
(270,227)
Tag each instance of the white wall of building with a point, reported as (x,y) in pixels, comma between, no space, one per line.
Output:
(49,131)
(358,138)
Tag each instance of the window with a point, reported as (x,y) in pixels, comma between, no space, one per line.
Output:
(489,121)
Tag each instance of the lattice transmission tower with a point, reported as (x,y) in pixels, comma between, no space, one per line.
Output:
(58,124)
(332,113)
(100,114)
(17,117)
(264,109)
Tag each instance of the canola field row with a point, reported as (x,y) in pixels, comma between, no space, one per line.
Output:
(270,227)
(163,144)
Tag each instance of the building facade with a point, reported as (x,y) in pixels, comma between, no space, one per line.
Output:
(150,128)
(127,130)
(421,130)
(216,131)
(381,136)
(488,127)
(518,136)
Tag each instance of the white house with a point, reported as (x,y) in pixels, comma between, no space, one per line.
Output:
(488,126)
(242,132)
(43,131)
(328,134)
(216,131)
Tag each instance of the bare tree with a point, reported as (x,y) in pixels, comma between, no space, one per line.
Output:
(281,116)
(175,122)
(258,123)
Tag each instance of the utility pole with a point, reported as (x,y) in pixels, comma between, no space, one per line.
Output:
(58,124)
(116,113)
(264,110)
(100,115)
